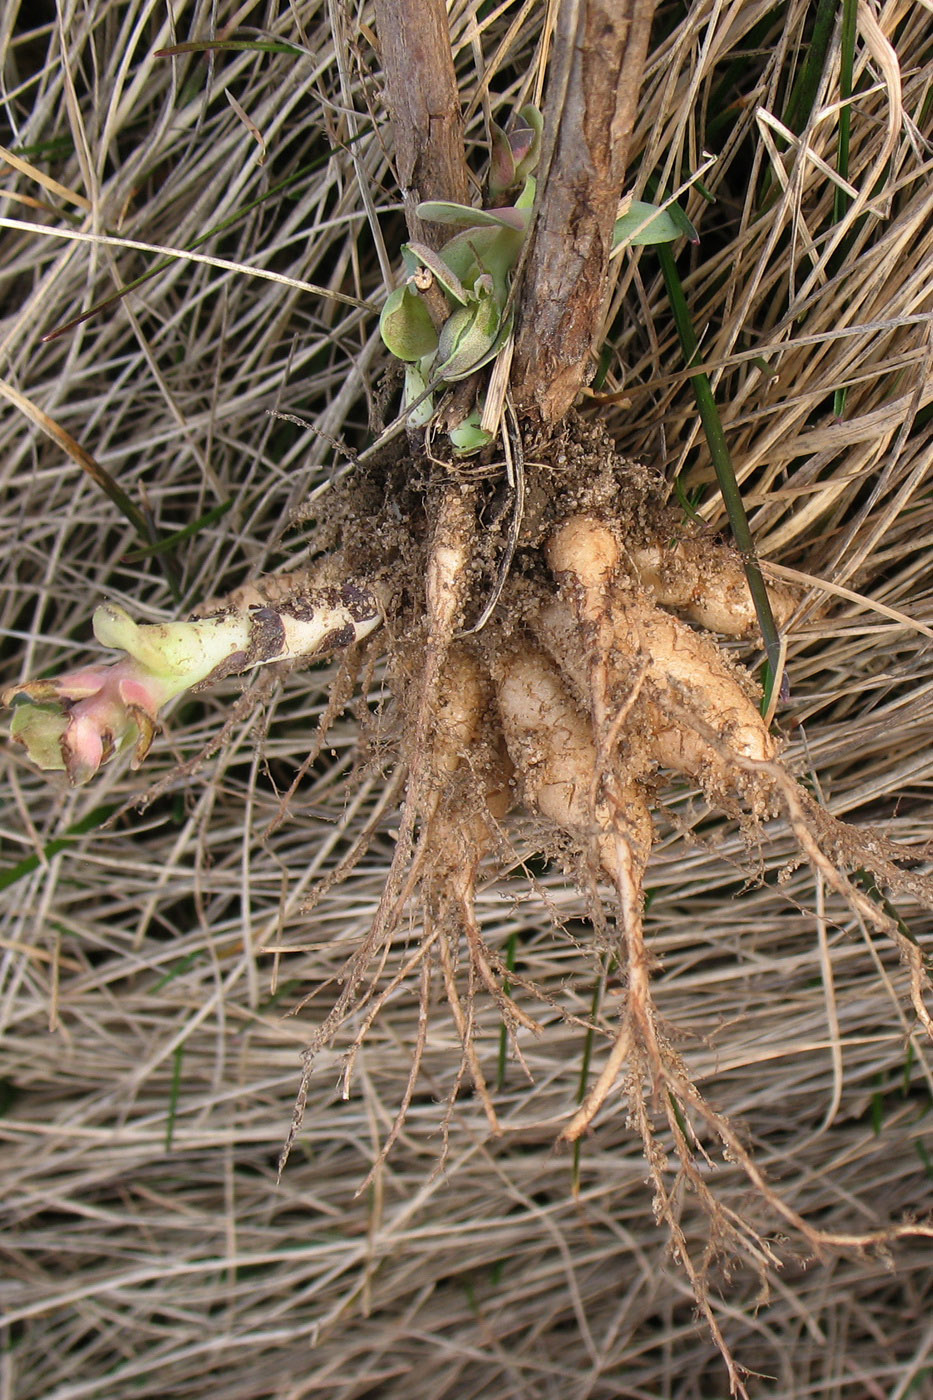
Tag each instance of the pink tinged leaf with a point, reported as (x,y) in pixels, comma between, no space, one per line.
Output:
(73,685)
(77,722)
(139,689)
(85,747)
(526,140)
(501,163)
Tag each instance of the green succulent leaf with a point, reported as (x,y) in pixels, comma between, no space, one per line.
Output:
(406,326)
(439,212)
(476,251)
(39,728)
(417,378)
(527,197)
(440,270)
(468,338)
(468,436)
(643,225)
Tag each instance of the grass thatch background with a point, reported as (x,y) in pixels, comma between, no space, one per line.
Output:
(148,1062)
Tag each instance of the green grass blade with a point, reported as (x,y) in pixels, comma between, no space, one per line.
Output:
(840,198)
(511,952)
(142,522)
(169,542)
(599,989)
(803,93)
(722,463)
(846,67)
(28,864)
(230,46)
(178,969)
(869,884)
(178,1059)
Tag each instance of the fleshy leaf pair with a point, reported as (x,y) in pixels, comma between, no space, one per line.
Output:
(449,317)
(472,275)
(642,224)
(514,153)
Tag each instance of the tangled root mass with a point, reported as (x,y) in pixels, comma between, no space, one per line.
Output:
(596,676)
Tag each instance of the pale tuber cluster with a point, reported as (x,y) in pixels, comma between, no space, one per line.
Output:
(573,699)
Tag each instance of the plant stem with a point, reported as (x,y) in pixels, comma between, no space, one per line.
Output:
(598,60)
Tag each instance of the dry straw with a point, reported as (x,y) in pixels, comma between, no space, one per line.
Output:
(148,1060)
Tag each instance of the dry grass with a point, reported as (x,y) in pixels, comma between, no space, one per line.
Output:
(149,1068)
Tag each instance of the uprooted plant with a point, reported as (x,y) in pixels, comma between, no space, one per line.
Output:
(559,655)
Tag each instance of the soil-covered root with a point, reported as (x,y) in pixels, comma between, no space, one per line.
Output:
(624,676)
(565,781)
(471,790)
(431,745)
(656,664)
(705,582)
(686,708)
(458,783)
(477,793)
(550,741)
(689,687)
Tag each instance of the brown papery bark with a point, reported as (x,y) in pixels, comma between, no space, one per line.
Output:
(422,95)
(599,57)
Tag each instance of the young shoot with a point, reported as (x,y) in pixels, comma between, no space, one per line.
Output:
(76,722)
